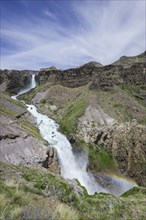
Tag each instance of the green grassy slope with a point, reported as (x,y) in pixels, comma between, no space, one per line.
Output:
(31,193)
(131,59)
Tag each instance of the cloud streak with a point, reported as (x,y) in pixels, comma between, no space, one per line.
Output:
(100,32)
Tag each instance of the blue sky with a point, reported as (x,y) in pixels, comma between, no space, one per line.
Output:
(42,33)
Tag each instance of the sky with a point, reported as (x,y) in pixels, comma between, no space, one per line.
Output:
(68,33)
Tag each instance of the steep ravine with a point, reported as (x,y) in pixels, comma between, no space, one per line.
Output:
(71,167)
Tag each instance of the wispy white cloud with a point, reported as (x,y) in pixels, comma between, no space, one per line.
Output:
(103,33)
(49,14)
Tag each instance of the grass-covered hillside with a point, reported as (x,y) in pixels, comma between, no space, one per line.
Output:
(131,59)
(33,193)
(83,115)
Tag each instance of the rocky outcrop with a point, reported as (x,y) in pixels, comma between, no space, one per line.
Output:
(13,80)
(51,162)
(17,146)
(99,77)
(126,143)
(20,141)
(123,73)
(111,75)
(71,77)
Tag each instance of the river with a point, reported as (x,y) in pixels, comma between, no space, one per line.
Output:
(71,167)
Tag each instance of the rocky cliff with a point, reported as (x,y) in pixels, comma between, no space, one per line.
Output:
(125,143)
(71,77)
(96,75)
(13,80)
(20,141)
(133,74)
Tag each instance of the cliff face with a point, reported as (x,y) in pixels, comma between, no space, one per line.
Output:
(20,139)
(92,73)
(111,75)
(13,80)
(98,77)
(125,143)
(71,77)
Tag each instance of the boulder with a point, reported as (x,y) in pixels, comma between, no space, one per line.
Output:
(51,161)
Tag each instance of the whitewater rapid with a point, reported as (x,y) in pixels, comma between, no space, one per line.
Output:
(71,167)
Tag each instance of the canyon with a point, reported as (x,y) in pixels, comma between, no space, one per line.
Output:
(102,112)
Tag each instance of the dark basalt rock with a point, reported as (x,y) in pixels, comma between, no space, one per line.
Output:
(97,76)
(119,75)
(15,80)
(92,73)
(73,77)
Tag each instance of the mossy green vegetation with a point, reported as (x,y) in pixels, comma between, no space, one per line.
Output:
(130,59)
(69,119)
(33,193)
(99,161)
(64,212)
(16,110)
(48,184)
(142,121)
(120,103)
(36,187)
(13,101)
(7,112)
(29,127)
(10,107)
(105,161)
(134,191)
(112,106)
(138,92)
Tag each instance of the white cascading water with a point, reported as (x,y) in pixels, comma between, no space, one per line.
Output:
(28,88)
(71,166)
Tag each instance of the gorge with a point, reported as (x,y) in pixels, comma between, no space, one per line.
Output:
(71,167)
(92,130)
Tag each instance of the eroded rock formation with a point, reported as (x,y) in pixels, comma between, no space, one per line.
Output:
(51,161)
(97,76)
(126,143)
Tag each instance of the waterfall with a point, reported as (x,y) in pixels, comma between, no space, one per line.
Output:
(71,166)
(33,82)
(32,85)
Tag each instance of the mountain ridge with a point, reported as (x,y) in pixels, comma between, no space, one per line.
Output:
(131,59)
